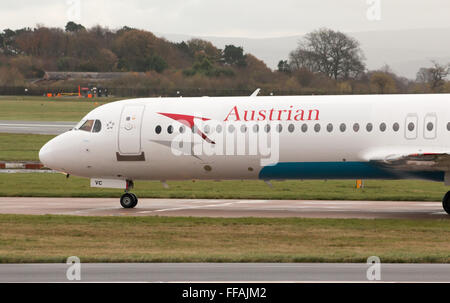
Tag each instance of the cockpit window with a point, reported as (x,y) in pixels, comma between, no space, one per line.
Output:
(97,126)
(94,126)
(87,126)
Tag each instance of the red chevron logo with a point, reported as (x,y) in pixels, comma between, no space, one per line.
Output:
(188,120)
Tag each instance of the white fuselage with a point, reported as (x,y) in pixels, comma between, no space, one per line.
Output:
(216,137)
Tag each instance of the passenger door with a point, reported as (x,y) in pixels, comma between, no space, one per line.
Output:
(130,129)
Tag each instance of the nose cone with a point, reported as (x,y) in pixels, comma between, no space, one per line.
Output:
(45,154)
(67,153)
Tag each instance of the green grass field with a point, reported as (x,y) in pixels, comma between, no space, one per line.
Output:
(161,239)
(56,185)
(48,109)
(21,147)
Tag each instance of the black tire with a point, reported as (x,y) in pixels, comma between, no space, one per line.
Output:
(128,200)
(446,202)
(135,198)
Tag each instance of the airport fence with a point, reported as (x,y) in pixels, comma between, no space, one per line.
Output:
(155,92)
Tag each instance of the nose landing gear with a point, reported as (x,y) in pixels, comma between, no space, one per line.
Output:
(446,202)
(128,200)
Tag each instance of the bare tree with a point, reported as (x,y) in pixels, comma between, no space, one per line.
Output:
(434,76)
(438,74)
(329,52)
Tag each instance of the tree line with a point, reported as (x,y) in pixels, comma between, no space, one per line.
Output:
(339,57)
(325,61)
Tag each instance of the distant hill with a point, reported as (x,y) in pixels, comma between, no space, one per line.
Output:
(405,51)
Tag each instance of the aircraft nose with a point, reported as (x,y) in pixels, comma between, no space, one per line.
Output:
(57,154)
(45,154)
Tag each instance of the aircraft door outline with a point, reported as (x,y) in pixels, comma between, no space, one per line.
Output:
(130,130)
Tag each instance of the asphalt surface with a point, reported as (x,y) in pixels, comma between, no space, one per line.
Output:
(35,127)
(223,208)
(224,272)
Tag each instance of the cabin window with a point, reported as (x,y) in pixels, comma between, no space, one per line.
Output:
(356,127)
(383,127)
(304,128)
(158,129)
(317,128)
(231,129)
(255,128)
(219,129)
(396,127)
(279,128)
(170,129)
(330,127)
(411,126)
(181,129)
(430,126)
(206,129)
(243,128)
(369,127)
(87,126)
(342,127)
(97,126)
(267,128)
(448,126)
(291,128)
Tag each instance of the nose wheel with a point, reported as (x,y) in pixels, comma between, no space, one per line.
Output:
(446,202)
(128,200)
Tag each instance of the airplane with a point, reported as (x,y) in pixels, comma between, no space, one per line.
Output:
(257,137)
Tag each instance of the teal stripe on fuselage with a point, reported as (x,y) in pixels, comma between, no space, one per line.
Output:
(341,170)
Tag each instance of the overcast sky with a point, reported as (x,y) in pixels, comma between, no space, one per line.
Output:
(232,18)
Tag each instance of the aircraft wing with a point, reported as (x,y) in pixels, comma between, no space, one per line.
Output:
(416,162)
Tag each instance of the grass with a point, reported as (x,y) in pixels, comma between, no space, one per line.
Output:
(21,147)
(47,109)
(56,185)
(167,239)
